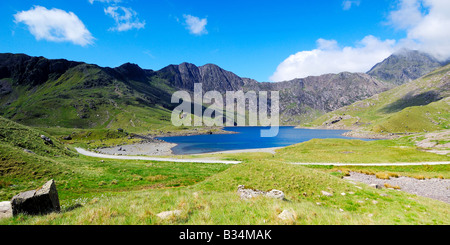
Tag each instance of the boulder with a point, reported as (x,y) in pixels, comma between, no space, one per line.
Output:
(275,194)
(47,139)
(5,210)
(37,202)
(327,194)
(376,186)
(287,215)
(168,214)
(250,193)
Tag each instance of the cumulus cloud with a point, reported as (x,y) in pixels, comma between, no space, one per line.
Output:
(426,23)
(196,25)
(125,18)
(328,57)
(55,25)
(347,4)
(105,1)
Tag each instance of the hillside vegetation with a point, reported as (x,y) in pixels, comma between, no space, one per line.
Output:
(422,105)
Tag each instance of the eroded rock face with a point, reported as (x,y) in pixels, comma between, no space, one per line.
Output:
(37,202)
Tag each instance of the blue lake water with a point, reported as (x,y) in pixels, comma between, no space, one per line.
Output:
(248,138)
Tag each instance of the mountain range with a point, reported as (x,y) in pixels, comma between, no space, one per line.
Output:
(59,93)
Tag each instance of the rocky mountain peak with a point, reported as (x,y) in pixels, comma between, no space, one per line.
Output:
(404,66)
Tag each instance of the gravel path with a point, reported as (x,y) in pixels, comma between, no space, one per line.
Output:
(432,188)
(104,156)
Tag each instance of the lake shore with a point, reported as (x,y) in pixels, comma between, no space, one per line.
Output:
(151,145)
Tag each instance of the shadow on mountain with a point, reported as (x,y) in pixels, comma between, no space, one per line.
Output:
(412,100)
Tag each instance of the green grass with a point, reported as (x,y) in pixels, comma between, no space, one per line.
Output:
(215,201)
(356,151)
(104,191)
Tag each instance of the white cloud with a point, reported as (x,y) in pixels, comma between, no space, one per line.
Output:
(196,25)
(426,23)
(55,25)
(347,4)
(328,57)
(125,18)
(105,1)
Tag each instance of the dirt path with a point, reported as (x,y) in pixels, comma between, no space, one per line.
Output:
(98,155)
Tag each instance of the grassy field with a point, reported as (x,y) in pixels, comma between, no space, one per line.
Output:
(215,201)
(104,191)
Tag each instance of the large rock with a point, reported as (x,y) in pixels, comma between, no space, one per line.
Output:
(5,210)
(37,202)
(287,215)
(168,214)
(251,193)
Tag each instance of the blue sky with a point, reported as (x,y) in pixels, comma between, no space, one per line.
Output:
(263,40)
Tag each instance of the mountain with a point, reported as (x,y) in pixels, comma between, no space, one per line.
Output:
(419,106)
(300,99)
(404,66)
(41,92)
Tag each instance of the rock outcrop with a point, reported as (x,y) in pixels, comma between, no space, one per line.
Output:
(404,66)
(41,201)
(251,193)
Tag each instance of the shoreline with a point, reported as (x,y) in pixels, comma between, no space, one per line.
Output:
(152,145)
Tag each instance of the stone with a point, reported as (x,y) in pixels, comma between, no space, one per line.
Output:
(376,186)
(327,194)
(42,201)
(5,210)
(67,138)
(250,193)
(275,194)
(47,139)
(287,215)
(168,214)
(28,151)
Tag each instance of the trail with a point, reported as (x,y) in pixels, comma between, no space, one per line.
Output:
(98,155)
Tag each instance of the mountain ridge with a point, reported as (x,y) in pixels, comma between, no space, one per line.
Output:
(301,100)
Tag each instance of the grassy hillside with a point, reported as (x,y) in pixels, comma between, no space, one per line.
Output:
(22,170)
(215,201)
(419,106)
(96,191)
(87,96)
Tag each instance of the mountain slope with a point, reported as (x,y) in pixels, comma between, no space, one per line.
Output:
(301,100)
(41,92)
(404,66)
(79,95)
(418,106)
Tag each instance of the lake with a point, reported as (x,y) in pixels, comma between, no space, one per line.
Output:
(248,138)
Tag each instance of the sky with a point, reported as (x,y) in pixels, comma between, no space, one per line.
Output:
(264,40)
